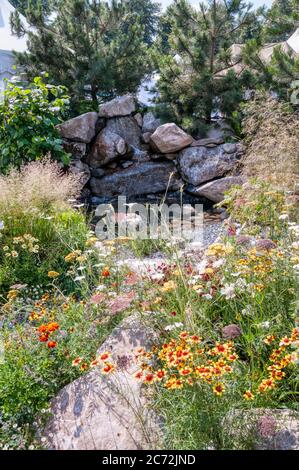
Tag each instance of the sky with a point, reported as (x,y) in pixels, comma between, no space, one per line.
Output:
(256,3)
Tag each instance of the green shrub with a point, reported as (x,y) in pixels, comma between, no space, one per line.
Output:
(39,228)
(28,117)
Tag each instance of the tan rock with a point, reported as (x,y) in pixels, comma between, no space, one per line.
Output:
(122,106)
(214,190)
(80,129)
(97,412)
(107,147)
(169,138)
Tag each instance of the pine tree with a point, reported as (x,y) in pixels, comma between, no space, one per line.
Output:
(93,48)
(194,77)
(282,70)
(148,11)
(281,20)
(22,5)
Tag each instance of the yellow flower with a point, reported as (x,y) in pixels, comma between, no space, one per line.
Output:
(218,389)
(12,294)
(53,274)
(168,286)
(14,254)
(248,395)
(91,241)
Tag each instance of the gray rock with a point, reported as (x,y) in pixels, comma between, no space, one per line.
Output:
(207,142)
(80,129)
(122,106)
(138,118)
(169,138)
(79,168)
(97,412)
(76,149)
(150,123)
(127,128)
(263,429)
(200,164)
(98,172)
(127,164)
(107,147)
(229,148)
(214,190)
(141,178)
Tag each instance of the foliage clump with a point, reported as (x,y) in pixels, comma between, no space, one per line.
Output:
(28,116)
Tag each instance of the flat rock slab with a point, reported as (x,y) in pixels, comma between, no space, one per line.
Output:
(140,178)
(97,412)
(214,190)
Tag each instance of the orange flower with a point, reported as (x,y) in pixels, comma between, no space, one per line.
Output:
(149,378)
(218,389)
(104,356)
(269,339)
(138,375)
(42,329)
(52,344)
(53,326)
(94,363)
(43,337)
(266,384)
(285,341)
(248,395)
(76,361)
(184,335)
(185,371)
(84,366)
(106,272)
(195,339)
(160,374)
(277,374)
(232,357)
(108,368)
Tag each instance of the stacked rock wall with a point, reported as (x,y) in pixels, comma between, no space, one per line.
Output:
(119,151)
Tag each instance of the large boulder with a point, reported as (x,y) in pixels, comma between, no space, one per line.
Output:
(121,106)
(127,128)
(81,128)
(200,164)
(107,147)
(169,138)
(214,190)
(262,429)
(97,412)
(140,178)
(150,123)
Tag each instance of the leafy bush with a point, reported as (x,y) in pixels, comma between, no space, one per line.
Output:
(28,117)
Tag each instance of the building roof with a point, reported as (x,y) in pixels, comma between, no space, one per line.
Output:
(293,41)
(9,42)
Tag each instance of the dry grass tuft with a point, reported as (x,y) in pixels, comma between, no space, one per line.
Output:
(272,130)
(39,185)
